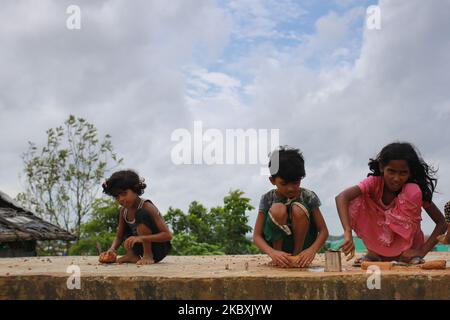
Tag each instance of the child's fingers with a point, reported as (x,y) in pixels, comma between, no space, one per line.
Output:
(347,246)
(302,263)
(305,263)
(285,260)
(128,243)
(351,254)
(349,250)
(309,260)
(281,263)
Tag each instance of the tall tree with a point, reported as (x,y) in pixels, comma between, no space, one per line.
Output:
(231,224)
(224,228)
(62,178)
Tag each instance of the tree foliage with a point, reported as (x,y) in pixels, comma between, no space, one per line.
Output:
(62,178)
(223,227)
(101,228)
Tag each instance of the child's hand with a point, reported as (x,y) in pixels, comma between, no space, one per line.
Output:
(348,247)
(131,241)
(281,258)
(304,258)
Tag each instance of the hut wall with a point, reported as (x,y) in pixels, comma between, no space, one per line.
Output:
(18,249)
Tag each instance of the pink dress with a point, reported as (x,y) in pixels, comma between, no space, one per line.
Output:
(387,230)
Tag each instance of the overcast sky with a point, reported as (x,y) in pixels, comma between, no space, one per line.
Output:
(139,70)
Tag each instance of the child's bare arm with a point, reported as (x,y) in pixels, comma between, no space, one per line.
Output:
(307,256)
(342,201)
(440,228)
(119,234)
(321,229)
(258,235)
(164,233)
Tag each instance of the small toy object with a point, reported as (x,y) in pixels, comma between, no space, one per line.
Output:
(434,265)
(107,257)
(383,265)
(333,261)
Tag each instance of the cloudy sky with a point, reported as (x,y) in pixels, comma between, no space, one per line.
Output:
(139,70)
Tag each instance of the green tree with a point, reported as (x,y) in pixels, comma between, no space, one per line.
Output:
(187,245)
(62,178)
(177,220)
(231,223)
(223,227)
(101,228)
(200,222)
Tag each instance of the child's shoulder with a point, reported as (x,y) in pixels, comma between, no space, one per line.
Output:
(311,198)
(308,193)
(269,195)
(412,190)
(371,184)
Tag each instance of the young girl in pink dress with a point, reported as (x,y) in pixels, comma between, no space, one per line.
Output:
(384,209)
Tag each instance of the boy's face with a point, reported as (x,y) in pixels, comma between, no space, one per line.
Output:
(126,198)
(286,189)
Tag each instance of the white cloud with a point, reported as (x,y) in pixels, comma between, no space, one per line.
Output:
(141,70)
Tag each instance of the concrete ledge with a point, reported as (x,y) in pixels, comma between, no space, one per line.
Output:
(213,277)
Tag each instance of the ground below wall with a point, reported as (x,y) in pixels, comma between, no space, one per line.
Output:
(213,277)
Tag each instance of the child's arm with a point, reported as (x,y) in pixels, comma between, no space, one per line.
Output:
(307,256)
(164,233)
(279,257)
(440,228)
(342,201)
(119,234)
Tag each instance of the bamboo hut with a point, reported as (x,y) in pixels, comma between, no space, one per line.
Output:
(20,229)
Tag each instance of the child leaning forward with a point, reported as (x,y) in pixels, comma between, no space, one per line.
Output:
(290,227)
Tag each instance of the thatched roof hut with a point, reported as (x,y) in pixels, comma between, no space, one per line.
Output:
(20,226)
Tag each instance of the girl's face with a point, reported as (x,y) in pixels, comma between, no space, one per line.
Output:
(286,189)
(126,198)
(396,173)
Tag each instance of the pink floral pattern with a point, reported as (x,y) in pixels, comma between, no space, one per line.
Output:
(387,230)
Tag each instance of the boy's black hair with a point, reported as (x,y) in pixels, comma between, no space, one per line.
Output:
(291,166)
(123,180)
(420,172)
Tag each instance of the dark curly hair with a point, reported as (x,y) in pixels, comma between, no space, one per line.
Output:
(124,180)
(291,164)
(421,173)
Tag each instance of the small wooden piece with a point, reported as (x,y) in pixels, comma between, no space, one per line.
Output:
(383,265)
(434,265)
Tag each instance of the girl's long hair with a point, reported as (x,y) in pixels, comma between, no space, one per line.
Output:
(420,172)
